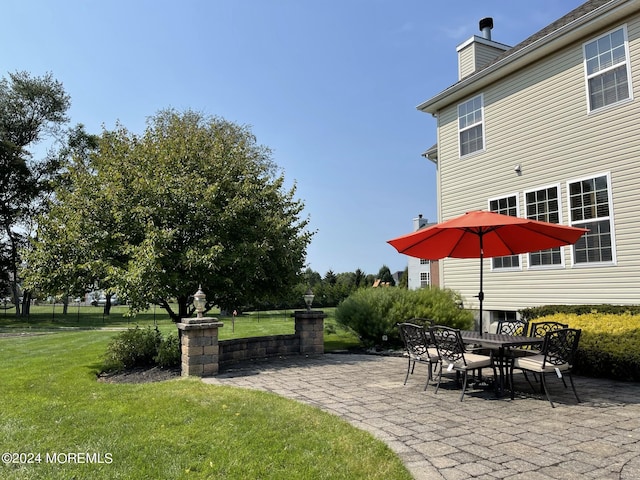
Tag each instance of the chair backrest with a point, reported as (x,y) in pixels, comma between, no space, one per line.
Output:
(415,338)
(560,346)
(540,329)
(448,341)
(512,327)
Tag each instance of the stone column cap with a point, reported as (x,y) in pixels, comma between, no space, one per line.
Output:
(198,323)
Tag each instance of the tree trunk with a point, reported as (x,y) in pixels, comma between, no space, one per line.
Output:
(16,298)
(183,307)
(165,304)
(65,304)
(26,303)
(107,305)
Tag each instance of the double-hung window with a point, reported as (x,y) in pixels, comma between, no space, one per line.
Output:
(606,62)
(544,205)
(590,207)
(506,206)
(471,126)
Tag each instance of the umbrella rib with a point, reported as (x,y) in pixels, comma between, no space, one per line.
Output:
(438,232)
(511,251)
(555,237)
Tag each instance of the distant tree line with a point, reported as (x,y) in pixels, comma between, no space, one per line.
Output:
(328,290)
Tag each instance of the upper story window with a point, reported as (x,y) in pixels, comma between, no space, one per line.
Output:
(471,126)
(590,207)
(606,61)
(544,205)
(506,206)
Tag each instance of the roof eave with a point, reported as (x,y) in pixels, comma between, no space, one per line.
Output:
(542,47)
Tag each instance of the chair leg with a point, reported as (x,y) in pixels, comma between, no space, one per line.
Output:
(408,370)
(464,385)
(496,381)
(573,387)
(439,378)
(546,389)
(429,375)
(529,381)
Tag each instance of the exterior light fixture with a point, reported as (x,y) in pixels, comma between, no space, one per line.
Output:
(308,299)
(199,302)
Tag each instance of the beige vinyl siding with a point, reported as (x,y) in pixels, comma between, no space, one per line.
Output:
(538,118)
(466,62)
(485,54)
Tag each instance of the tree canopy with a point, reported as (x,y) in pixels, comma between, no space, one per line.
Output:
(31,108)
(194,200)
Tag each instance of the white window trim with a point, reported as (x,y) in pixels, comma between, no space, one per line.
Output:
(484,137)
(561,265)
(587,77)
(614,260)
(507,269)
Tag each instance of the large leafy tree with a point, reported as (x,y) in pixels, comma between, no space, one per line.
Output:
(61,259)
(31,109)
(192,201)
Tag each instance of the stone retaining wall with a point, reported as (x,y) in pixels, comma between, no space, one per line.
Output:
(237,350)
(202,353)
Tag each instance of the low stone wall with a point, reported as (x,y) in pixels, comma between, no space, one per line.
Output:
(203,353)
(237,350)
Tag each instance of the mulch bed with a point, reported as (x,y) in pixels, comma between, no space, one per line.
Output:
(140,375)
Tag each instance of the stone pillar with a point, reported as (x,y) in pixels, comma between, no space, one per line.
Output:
(310,329)
(199,346)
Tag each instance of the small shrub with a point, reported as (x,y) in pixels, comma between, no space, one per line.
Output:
(135,347)
(168,352)
(374,312)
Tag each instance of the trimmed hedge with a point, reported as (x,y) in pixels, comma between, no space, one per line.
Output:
(373,313)
(529,314)
(609,344)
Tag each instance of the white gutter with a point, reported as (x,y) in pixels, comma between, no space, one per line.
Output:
(565,35)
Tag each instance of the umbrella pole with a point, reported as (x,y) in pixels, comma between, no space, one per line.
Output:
(481,293)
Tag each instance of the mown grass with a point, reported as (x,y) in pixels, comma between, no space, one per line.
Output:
(251,324)
(178,429)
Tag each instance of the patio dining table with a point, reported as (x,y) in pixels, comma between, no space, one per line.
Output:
(499,343)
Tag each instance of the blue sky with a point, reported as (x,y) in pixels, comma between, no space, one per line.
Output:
(330,86)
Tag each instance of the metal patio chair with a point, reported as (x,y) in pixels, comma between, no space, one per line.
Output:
(454,357)
(512,327)
(557,357)
(418,347)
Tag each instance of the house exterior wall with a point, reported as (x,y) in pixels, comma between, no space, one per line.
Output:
(416,269)
(538,118)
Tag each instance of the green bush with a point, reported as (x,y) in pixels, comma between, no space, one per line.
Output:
(609,344)
(373,313)
(135,347)
(529,314)
(168,352)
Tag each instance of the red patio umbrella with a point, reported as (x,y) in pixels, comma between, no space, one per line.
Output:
(480,234)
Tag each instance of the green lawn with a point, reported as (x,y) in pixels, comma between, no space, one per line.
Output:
(251,324)
(53,405)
